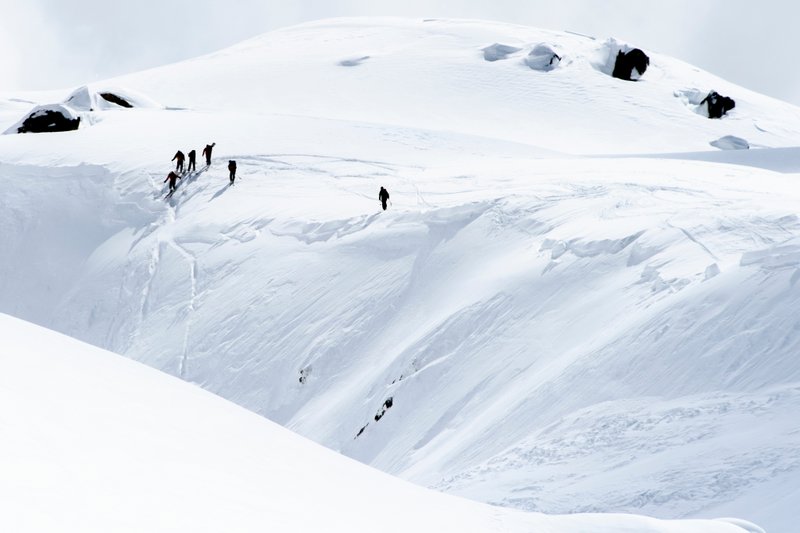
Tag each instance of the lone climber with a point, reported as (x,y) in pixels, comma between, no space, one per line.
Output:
(232,169)
(207,153)
(383,196)
(179,164)
(173,179)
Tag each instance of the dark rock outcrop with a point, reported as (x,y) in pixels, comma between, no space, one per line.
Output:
(114,99)
(717,104)
(49,120)
(386,405)
(627,62)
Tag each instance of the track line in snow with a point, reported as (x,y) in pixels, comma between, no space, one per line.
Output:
(190,307)
(152,268)
(694,240)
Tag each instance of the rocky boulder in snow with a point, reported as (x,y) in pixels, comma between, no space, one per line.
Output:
(542,58)
(80,105)
(47,118)
(114,99)
(92,98)
(630,65)
(717,105)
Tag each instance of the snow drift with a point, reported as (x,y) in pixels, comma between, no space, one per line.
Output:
(102,98)
(730,142)
(542,58)
(497,51)
(81,104)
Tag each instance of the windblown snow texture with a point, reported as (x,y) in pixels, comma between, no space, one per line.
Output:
(153,454)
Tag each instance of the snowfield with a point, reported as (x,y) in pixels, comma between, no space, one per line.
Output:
(94,442)
(575,303)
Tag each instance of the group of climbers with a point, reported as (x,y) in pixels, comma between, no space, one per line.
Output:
(179,158)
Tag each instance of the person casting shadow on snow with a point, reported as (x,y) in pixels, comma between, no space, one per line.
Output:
(232,169)
(179,157)
(173,179)
(383,196)
(192,161)
(207,153)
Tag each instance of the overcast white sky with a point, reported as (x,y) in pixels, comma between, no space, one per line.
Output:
(48,44)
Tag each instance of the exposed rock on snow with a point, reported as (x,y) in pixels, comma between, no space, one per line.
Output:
(79,106)
(542,58)
(497,51)
(47,118)
(630,65)
(387,404)
(114,99)
(620,60)
(730,142)
(97,98)
(716,105)
(385,407)
(710,105)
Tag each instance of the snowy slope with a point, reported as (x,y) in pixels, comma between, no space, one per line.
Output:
(432,75)
(557,332)
(94,442)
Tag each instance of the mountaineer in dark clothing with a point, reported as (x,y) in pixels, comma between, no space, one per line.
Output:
(173,179)
(192,161)
(232,168)
(207,152)
(180,157)
(383,196)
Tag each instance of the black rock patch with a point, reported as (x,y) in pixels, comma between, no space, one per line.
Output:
(627,61)
(114,99)
(48,121)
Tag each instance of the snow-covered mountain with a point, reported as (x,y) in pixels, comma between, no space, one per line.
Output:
(574,303)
